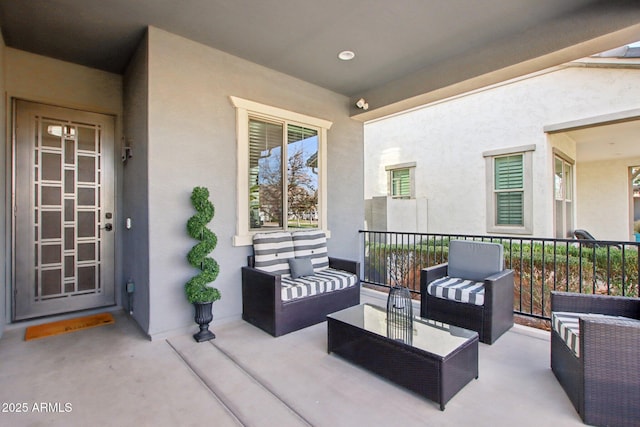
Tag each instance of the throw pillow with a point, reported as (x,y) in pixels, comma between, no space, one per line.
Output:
(300,267)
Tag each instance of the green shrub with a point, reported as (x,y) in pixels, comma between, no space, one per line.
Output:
(196,288)
(538,268)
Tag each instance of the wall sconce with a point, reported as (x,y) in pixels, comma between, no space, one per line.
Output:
(362,104)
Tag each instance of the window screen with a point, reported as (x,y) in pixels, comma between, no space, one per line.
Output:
(400,183)
(509,190)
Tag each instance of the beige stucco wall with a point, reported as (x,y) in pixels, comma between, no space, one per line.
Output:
(192,142)
(447,139)
(604,198)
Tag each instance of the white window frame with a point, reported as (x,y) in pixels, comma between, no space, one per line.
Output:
(411,166)
(246,109)
(567,193)
(527,158)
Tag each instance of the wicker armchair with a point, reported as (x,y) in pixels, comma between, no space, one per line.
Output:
(482,264)
(601,376)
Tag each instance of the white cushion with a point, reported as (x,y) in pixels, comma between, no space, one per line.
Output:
(311,244)
(327,280)
(453,288)
(272,252)
(567,325)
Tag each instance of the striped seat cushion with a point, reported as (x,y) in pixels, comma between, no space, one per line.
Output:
(327,280)
(311,244)
(272,252)
(461,290)
(567,325)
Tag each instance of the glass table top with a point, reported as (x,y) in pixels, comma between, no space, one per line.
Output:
(429,335)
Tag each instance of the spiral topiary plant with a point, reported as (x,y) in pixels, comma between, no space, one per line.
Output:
(196,288)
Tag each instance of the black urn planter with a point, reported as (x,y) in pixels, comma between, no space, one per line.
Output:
(203,317)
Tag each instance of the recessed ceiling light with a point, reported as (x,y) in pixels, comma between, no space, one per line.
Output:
(346,55)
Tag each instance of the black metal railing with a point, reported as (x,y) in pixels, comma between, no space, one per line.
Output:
(540,264)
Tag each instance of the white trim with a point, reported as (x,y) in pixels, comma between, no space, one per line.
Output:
(400,166)
(281,113)
(242,207)
(604,119)
(322,190)
(509,150)
(245,109)
(527,214)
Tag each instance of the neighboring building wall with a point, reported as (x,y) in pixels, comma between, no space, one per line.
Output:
(606,210)
(135,186)
(386,213)
(41,79)
(447,139)
(192,142)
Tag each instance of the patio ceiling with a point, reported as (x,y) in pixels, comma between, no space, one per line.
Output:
(612,136)
(607,142)
(408,52)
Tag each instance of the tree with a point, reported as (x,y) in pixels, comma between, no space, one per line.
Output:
(270,193)
(301,192)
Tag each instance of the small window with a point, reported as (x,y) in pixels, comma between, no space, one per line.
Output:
(401,180)
(400,183)
(509,190)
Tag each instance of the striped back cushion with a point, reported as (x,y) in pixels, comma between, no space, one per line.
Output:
(272,252)
(311,244)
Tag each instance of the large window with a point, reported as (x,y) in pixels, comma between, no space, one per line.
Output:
(281,170)
(509,202)
(283,175)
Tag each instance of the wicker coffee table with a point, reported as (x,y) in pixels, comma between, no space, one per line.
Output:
(440,360)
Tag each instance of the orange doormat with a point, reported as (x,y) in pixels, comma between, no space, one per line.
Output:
(66,326)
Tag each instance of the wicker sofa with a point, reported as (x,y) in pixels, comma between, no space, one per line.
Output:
(277,299)
(595,355)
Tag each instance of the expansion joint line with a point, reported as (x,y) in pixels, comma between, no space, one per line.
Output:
(256,379)
(216,393)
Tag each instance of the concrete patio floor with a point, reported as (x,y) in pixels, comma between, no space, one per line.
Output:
(114,376)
